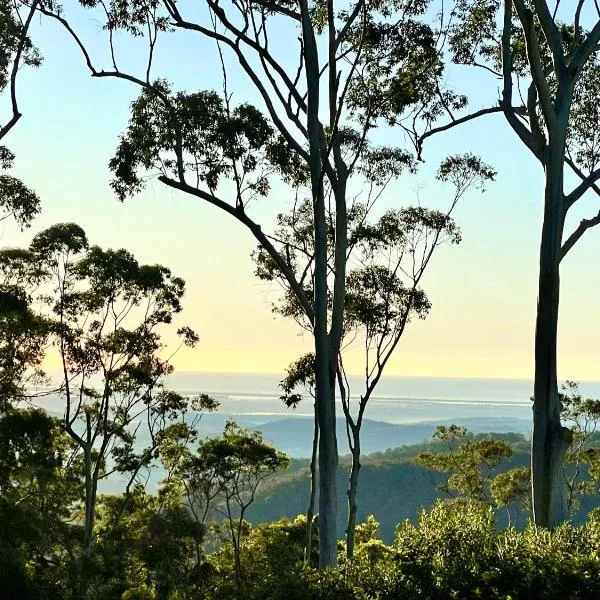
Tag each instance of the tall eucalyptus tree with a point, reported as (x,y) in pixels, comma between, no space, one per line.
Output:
(196,140)
(546,54)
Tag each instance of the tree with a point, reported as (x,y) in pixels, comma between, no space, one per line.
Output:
(512,488)
(21,335)
(301,375)
(223,475)
(40,486)
(582,461)
(144,545)
(24,333)
(467,464)
(551,50)
(107,311)
(321,114)
(389,257)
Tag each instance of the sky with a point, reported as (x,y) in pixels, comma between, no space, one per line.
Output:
(483,291)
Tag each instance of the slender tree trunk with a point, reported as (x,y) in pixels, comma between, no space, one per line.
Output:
(90,504)
(352,492)
(324,383)
(310,514)
(238,562)
(550,440)
(328,459)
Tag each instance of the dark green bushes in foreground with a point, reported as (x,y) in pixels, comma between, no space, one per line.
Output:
(453,551)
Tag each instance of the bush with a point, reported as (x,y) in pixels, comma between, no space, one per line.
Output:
(454,551)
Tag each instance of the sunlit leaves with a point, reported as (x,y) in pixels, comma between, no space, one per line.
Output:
(467,463)
(512,486)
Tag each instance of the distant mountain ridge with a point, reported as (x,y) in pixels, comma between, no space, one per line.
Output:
(293,435)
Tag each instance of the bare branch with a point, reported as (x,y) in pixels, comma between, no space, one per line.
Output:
(524,134)
(256,230)
(584,225)
(586,184)
(454,123)
(16,115)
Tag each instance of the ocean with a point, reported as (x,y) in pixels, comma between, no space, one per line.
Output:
(403,410)
(255,397)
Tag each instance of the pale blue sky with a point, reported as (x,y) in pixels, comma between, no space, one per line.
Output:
(483,291)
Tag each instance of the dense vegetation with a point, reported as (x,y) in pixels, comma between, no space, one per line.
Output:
(191,540)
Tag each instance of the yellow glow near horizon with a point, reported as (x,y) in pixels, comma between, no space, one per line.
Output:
(483,291)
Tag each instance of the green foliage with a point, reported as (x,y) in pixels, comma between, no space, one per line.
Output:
(197,133)
(40,484)
(16,50)
(12,36)
(144,547)
(24,335)
(154,546)
(239,459)
(299,374)
(104,313)
(454,551)
(17,201)
(399,61)
(467,464)
(582,461)
(512,486)
(272,562)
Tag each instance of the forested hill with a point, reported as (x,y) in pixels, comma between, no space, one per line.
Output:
(392,487)
(294,434)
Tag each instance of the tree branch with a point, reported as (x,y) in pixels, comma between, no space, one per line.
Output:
(584,225)
(524,134)
(256,230)
(551,33)
(183,24)
(16,115)
(535,63)
(278,8)
(589,46)
(586,184)
(454,123)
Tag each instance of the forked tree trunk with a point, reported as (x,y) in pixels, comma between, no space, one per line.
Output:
(550,439)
